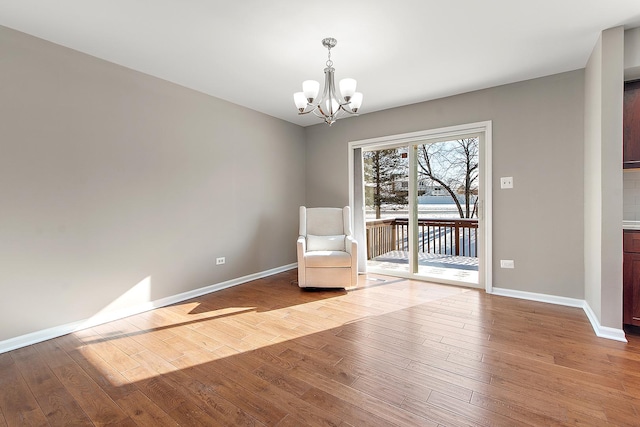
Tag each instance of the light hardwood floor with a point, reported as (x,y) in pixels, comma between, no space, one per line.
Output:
(391,352)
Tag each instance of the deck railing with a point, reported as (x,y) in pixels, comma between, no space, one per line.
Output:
(437,236)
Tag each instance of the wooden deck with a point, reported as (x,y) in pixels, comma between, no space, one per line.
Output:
(390,352)
(436,267)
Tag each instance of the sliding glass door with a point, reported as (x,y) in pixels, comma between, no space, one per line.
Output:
(422,206)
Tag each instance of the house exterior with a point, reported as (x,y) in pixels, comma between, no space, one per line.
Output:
(112,202)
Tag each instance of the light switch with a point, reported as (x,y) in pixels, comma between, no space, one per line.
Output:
(506,182)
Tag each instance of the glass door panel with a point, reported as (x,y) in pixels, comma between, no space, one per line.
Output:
(446,201)
(386,175)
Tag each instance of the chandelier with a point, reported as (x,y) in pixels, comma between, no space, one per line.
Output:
(332,105)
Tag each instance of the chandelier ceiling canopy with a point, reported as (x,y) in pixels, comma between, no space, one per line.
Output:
(332,105)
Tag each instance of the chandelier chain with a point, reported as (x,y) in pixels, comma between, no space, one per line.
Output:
(329,61)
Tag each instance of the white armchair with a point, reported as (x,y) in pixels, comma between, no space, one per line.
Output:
(327,252)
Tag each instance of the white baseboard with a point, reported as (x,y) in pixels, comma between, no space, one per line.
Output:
(551,299)
(600,331)
(603,331)
(58,331)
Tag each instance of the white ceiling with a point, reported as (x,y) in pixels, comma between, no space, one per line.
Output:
(256,53)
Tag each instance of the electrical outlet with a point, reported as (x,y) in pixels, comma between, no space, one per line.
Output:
(507,263)
(506,182)
(220,261)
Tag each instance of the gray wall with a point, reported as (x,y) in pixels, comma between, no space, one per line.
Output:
(538,136)
(109,178)
(603,178)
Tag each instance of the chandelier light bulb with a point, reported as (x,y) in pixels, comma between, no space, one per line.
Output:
(332,106)
(300,100)
(347,88)
(310,89)
(356,101)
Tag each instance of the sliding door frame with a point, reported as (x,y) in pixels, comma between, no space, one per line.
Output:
(483,129)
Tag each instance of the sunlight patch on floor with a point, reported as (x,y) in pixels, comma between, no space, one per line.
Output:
(185,335)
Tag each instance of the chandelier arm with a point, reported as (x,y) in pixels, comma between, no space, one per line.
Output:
(349,110)
(326,90)
(311,107)
(321,113)
(336,93)
(346,108)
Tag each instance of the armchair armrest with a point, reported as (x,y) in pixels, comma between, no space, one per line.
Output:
(301,247)
(301,243)
(352,248)
(351,245)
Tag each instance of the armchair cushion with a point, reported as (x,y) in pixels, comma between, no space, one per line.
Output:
(325,243)
(331,259)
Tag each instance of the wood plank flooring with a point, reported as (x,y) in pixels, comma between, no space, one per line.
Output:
(391,352)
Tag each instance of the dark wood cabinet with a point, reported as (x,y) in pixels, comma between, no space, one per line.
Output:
(631,125)
(631,278)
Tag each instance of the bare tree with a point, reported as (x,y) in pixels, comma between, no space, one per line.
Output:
(381,168)
(453,165)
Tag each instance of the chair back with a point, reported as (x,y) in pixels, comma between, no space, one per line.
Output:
(325,221)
